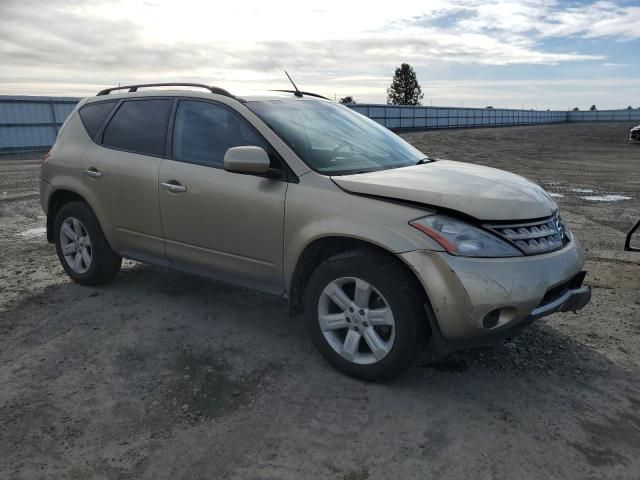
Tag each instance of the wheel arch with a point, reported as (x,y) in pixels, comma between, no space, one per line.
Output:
(58,199)
(323,248)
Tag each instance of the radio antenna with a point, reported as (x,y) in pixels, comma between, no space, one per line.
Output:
(297,93)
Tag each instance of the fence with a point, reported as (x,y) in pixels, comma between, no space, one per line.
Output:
(604,116)
(401,117)
(32,123)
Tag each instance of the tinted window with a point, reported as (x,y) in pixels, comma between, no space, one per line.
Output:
(93,115)
(204,131)
(139,126)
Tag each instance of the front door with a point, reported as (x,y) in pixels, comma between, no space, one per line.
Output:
(225,225)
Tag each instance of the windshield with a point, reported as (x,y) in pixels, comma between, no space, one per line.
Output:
(333,139)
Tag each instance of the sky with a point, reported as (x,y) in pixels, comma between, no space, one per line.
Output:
(518,54)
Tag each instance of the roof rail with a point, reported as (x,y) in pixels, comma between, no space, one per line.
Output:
(309,94)
(134,88)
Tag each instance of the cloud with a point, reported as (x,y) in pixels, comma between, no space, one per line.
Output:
(82,45)
(542,19)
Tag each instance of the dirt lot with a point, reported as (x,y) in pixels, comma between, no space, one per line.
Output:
(161,375)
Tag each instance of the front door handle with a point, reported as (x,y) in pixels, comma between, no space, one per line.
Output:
(93,172)
(173,186)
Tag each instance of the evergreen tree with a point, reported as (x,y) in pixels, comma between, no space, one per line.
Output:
(404,89)
(347,100)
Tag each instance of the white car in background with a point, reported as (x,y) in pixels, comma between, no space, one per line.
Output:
(634,134)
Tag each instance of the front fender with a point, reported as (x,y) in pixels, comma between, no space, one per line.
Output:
(315,213)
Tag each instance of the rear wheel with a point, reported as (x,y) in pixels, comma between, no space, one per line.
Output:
(365,314)
(81,246)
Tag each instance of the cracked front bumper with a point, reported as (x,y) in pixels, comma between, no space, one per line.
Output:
(463,291)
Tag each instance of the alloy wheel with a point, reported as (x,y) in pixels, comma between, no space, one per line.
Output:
(75,245)
(356,320)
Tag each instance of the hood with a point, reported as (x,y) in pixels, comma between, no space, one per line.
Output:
(482,192)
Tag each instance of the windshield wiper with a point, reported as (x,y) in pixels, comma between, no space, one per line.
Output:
(424,160)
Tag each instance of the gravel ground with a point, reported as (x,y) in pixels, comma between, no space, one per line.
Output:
(161,375)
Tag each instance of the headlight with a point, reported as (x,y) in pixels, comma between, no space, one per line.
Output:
(460,238)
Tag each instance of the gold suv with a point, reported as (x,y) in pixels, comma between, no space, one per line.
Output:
(384,249)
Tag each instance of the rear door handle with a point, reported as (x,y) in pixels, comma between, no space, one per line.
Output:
(92,172)
(173,186)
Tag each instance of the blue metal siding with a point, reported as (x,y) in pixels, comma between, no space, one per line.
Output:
(32,123)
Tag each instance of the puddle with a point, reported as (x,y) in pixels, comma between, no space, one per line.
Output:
(555,195)
(581,190)
(606,198)
(34,232)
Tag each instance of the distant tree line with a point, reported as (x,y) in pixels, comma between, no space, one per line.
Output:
(593,108)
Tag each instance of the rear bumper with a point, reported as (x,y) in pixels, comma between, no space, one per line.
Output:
(46,190)
(464,292)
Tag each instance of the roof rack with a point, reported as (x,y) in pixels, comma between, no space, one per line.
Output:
(296,92)
(134,88)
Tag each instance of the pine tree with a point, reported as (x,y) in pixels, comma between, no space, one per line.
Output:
(404,89)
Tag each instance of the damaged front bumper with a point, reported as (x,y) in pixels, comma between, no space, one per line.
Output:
(479,301)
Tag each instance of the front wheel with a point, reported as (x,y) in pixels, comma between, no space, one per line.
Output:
(365,314)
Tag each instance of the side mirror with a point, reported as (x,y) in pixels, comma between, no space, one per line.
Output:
(248,159)
(633,244)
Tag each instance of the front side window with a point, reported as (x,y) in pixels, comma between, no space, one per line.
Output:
(333,139)
(139,126)
(203,132)
(93,114)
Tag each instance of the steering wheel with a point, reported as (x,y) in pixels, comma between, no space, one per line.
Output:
(338,147)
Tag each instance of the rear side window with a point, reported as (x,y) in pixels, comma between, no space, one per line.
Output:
(204,131)
(139,126)
(93,115)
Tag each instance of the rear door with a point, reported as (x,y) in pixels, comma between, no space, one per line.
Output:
(122,167)
(222,224)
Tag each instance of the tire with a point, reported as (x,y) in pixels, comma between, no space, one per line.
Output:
(97,263)
(391,285)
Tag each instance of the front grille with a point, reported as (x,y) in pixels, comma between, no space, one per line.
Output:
(536,237)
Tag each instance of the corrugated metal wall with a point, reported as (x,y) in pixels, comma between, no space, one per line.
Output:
(32,123)
(604,116)
(399,117)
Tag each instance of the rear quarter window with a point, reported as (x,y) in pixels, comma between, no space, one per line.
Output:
(139,126)
(93,114)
